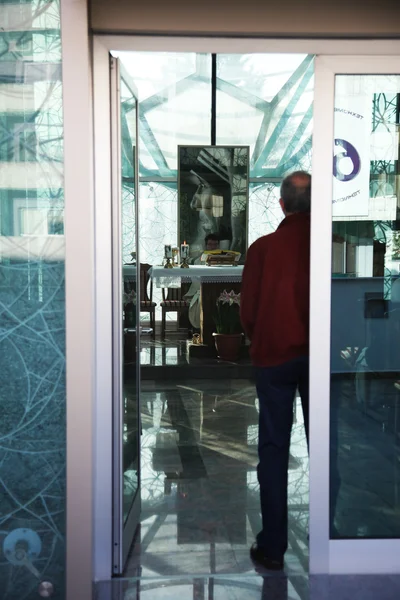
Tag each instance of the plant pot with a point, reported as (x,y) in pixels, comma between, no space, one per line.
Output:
(129,316)
(228,345)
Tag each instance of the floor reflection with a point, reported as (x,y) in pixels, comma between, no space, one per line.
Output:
(173,351)
(241,587)
(201,504)
(211,588)
(200,498)
(365,455)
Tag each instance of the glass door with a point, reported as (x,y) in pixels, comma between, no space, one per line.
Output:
(126,317)
(355,324)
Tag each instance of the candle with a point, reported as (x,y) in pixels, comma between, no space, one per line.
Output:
(184,251)
(168,251)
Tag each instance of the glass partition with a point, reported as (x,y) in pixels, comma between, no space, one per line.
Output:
(365,327)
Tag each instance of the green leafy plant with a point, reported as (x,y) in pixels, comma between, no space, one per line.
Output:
(227,314)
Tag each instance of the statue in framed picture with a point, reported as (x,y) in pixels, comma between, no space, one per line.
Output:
(213,185)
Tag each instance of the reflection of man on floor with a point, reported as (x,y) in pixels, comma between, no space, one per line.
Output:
(211,242)
(275,316)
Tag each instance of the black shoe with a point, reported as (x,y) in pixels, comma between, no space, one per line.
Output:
(272,564)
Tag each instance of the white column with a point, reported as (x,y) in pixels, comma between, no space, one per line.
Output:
(80,308)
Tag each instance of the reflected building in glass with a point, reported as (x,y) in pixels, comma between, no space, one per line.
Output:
(365,353)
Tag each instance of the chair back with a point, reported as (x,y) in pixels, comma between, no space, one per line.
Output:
(145,296)
(171,294)
(175,294)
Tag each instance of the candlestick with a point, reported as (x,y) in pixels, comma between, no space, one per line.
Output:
(175,255)
(184,255)
(184,250)
(168,256)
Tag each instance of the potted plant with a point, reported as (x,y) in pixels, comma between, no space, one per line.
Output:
(229,335)
(129,309)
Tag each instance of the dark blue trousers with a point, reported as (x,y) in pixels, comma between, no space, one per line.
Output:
(276,390)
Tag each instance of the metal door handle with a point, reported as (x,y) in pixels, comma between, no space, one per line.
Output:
(142,330)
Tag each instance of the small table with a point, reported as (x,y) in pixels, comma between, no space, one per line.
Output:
(213,280)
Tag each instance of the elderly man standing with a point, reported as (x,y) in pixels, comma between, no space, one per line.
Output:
(275,316)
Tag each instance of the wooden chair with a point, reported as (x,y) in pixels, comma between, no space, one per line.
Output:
(146,299)
(172,301)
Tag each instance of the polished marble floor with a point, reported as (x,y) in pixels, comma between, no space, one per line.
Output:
(173,352)
(274,587)
(200,499)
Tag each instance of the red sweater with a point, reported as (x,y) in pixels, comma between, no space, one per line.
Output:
(275,293)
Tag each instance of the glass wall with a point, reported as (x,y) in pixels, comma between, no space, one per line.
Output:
(174,93)
(365,358)
(262,100)
(32,301)
(265,101)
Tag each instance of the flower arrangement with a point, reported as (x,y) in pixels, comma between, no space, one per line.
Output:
(227,315)
(129,297)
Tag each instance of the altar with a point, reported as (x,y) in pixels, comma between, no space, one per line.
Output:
(213,280)
(163,277)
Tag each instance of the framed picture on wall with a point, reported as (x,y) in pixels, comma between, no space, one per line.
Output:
(213,194)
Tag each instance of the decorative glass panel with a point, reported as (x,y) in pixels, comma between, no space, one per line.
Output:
(32,302)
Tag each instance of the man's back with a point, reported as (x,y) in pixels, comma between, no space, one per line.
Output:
(275,293)
(275,316)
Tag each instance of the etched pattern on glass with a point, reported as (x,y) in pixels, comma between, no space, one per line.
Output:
(32,301)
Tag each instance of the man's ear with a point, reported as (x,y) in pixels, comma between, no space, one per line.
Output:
(282,206)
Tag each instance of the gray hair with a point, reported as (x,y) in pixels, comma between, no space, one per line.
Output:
(296,192)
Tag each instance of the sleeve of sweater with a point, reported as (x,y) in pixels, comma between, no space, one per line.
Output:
(250,290)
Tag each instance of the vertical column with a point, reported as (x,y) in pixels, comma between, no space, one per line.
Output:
(80,306)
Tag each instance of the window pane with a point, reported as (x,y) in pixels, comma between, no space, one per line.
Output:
(174,93)
(265,101)
(265,212)
(365,360)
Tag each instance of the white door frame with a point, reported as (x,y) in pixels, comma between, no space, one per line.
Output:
(332,556)
(89,347)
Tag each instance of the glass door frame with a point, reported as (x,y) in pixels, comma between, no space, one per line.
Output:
(325,555)
(351,555)
(123,528)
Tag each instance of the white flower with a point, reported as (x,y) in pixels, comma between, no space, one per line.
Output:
(229,298)
(128,297)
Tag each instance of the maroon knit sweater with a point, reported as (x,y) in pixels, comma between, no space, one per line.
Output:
(275,293)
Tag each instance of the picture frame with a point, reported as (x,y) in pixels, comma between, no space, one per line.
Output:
(213,196)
